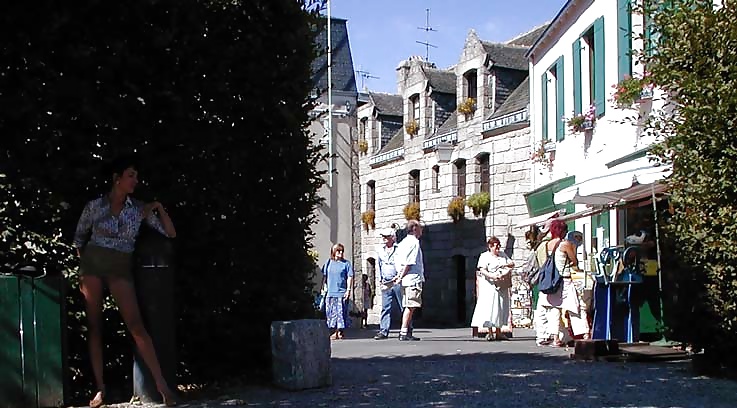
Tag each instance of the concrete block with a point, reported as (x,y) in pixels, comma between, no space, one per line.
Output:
(300,353)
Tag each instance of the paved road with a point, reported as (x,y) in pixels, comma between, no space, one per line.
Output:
(449,369)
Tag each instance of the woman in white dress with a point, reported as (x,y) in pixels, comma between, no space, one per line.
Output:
(494,281)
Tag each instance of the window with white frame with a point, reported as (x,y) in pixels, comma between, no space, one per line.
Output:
(435,178)
(371,195)
(460,170)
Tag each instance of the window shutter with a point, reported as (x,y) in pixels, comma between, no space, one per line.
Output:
(624,39)
(560,128)
(577,76)
(544,96)
(599,63)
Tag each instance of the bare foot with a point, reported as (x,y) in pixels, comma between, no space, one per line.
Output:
(168,397)
(98,400)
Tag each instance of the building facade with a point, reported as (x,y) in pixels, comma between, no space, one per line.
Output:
(337,218)
(457,133)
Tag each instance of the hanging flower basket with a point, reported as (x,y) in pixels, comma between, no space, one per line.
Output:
(479,203)
(541,154)
(583,121)
(363,146)
(468,106)
(369,219)
(412,211)
(457,208)
(631,90)
(412,127)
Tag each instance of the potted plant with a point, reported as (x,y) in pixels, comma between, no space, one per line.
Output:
(412,127)
(630,90)
(479,203)
(363,146)
(582,121)
(369,219)
(457,208)
(412,211)
(467,107)
(540,155)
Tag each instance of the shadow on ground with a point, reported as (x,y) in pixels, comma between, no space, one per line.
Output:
(495,379)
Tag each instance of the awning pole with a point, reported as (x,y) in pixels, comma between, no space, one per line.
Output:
(657,243)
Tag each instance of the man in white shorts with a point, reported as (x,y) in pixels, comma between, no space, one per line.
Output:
(411,274)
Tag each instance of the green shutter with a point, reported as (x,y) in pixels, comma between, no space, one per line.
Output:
(544,96)
(560,128)
(624,39)
(577,76)
(599,63)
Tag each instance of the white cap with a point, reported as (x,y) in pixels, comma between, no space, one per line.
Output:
(386,232)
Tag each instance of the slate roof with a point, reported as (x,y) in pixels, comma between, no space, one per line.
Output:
(441,81)
(395,142)
(449,124)
(387,104)
(528,38)
(344,78)
(507,56)
(517,100)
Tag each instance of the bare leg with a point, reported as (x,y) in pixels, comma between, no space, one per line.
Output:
(91,288)
(406,318)
(125,297)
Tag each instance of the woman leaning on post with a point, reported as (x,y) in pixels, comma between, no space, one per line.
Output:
(105,237)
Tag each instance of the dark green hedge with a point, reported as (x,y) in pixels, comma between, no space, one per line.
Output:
(212,97)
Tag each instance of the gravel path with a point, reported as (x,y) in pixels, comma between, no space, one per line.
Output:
(448,369)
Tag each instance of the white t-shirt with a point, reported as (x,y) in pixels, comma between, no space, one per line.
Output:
(410,253)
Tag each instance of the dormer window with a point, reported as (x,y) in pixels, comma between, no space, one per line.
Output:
(414,111)
(470,80)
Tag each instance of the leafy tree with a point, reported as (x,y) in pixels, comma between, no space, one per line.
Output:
(212,96)
(694,63)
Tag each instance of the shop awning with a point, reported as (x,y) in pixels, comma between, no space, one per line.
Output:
(629,181)
(540,219)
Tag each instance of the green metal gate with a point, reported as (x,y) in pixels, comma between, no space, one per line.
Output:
(32,325)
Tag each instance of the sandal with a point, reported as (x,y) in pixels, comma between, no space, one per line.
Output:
(98,400)
(334,336)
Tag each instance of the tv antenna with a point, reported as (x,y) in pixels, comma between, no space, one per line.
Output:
(364,76)
(427,28)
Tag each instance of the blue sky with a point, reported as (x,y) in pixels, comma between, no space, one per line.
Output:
(382,32)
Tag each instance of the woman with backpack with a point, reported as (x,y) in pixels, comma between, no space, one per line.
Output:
(548,310)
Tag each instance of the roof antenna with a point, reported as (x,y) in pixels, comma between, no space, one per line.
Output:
(364,76)
(427,30)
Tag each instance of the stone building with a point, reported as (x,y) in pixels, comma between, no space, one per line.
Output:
(462,131)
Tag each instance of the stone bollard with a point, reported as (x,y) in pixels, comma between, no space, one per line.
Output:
(300,354)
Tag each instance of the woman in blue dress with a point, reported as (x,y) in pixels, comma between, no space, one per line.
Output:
(337,276)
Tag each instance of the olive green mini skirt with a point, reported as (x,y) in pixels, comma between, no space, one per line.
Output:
(105,263)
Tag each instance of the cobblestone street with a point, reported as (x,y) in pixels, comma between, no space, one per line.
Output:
(449,369)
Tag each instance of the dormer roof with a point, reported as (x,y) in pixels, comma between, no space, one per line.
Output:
(507,56)
(387,104)
(441,80)
(528,38)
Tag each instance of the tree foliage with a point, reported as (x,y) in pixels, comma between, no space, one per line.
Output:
(694,63)
(212,96)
